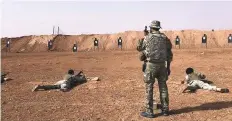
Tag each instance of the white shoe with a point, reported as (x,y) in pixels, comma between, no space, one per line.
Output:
(35,88)
(92,78)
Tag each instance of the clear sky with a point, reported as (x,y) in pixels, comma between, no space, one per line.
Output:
(20,18)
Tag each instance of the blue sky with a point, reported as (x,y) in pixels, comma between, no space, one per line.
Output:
(20,18)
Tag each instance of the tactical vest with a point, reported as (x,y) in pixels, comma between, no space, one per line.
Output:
(156,49)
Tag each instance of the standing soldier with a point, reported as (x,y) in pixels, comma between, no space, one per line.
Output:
(95,43)
(120,43)
(156,50)
(230,39)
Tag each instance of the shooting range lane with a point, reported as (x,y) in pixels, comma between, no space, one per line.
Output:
(120,93)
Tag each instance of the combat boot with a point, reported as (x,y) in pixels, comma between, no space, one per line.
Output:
(147,115)
(225,90)
(165,112)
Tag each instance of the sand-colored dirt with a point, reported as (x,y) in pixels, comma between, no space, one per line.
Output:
(188,38)
(120,94)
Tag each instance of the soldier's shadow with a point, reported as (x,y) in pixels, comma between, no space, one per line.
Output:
(206,106)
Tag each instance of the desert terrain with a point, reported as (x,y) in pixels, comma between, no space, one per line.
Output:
(120,93)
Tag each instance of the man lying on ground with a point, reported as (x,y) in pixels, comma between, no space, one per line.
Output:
(70,81)
(198,81)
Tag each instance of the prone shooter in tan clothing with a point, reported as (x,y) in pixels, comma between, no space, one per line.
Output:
(198,81)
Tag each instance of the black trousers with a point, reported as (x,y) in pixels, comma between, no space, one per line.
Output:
(49,87)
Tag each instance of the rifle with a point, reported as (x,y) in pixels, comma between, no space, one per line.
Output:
(146,32)
(80,72)
(191,89)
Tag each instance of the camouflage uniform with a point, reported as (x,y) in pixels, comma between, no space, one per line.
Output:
(156,50)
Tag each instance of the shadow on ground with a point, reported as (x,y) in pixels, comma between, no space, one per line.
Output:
(206,106)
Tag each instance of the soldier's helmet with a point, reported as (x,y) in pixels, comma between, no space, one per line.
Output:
(71,72)
(189,70)
(155,24)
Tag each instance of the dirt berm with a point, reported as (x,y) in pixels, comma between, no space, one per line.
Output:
(188,38)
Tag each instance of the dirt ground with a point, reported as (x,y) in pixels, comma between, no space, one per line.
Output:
(120,94)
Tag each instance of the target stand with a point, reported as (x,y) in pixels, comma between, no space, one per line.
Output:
(50,44)
(74,47)
(8,46)
(177,42)
(204,41)
(120,43)
(95,43)
(230,40)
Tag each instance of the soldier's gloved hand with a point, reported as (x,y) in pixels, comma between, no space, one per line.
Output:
(142,57)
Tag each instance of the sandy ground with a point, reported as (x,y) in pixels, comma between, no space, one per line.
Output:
(119,96)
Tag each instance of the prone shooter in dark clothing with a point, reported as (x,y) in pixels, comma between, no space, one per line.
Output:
(70,81)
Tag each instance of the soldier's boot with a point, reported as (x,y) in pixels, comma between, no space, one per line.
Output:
(224,90)
(165,112)
(147,114)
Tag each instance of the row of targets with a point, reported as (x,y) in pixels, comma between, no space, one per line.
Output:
(95,44)
(203,40)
